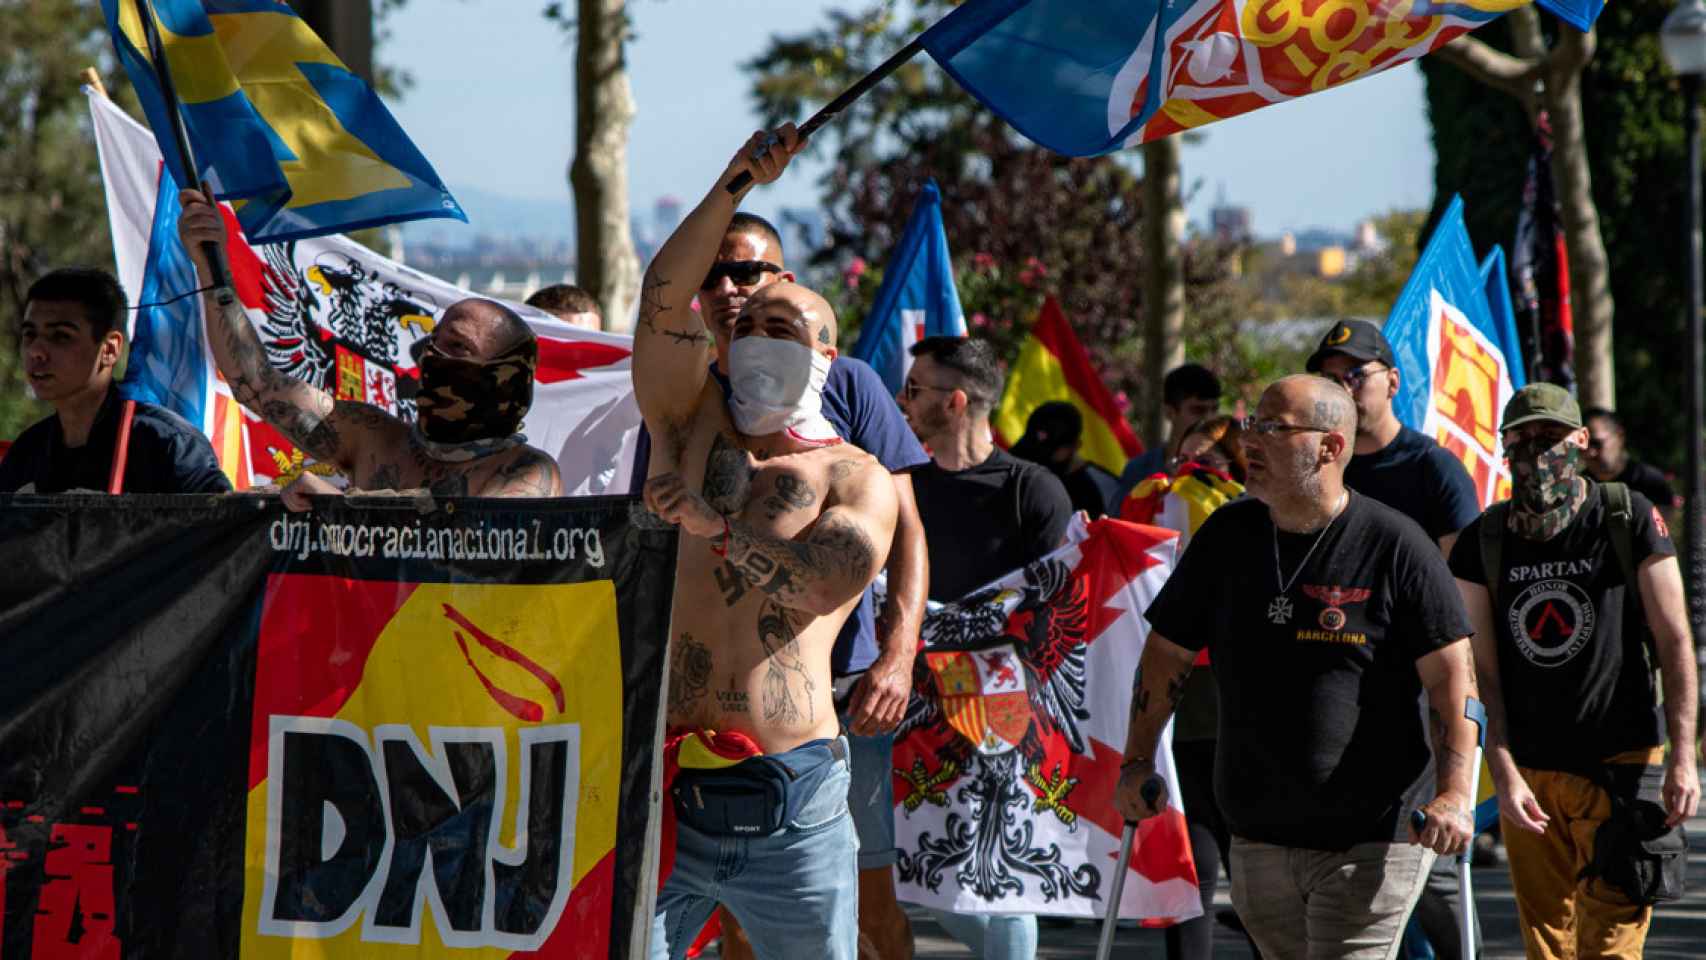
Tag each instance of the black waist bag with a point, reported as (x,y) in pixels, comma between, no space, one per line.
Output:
(1633,851)
(758,796)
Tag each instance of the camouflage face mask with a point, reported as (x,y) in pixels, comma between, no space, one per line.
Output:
(1545,487)
(462,400)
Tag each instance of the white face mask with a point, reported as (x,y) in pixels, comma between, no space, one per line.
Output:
(777,385)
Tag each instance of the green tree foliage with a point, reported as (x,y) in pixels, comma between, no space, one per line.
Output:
(1022,221)
(1633,110)
(52,209)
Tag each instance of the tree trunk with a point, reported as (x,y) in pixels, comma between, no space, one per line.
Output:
(347,27)
(1551,79)
(1591,305)
(1163,274)
(605,262)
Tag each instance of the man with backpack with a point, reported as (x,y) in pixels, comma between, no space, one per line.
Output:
(1575,594)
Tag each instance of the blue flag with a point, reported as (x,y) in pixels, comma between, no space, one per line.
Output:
(917,298)
(1085,77)
(1495,279)
(278,125)
(1458,365)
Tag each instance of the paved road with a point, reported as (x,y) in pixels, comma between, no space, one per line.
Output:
(1679,929)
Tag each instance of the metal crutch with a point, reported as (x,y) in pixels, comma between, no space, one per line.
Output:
(1151,790)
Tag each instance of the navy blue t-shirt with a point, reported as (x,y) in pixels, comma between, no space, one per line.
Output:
(166,455)
(1420,479)
(859,406)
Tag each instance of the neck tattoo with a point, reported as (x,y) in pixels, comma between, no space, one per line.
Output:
(1279,611)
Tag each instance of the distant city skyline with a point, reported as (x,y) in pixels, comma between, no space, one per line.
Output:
(493,109)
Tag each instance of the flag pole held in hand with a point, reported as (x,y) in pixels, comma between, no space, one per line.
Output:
(835,106)
(180,136)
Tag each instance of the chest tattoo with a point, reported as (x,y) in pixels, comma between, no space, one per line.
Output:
(728,477)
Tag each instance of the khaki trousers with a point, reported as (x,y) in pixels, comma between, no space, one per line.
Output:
(1302,904)
(1564,918)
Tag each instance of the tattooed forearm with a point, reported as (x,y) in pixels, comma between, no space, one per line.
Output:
(689,673)
(1176,687)
(687,338)
(779,637)
(299,411)
(830,567)
(1139,694)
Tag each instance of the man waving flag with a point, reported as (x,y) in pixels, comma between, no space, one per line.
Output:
(277,124)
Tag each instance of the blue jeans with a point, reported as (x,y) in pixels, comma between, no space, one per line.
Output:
(992,937)
(795,893)
(870,798)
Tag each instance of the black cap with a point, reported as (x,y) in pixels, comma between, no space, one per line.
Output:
(1357,339)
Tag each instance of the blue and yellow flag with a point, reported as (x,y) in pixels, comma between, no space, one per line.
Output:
(279,126)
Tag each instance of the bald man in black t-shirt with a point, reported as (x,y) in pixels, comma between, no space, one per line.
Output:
(1323,656)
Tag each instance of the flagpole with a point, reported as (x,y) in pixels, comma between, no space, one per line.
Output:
(835,106)
(180,136)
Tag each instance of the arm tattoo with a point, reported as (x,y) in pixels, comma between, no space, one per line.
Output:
(836,556)
(1139,693)
(779,637)
(527,475)
(689,673)
(299,411)
(652,304)
(685,338)
(1176,687)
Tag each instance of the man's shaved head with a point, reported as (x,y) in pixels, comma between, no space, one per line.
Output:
(808,309)
(490,328)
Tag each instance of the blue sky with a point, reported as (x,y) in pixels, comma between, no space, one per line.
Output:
(493,109)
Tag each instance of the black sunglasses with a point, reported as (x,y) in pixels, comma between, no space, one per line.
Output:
(744,273)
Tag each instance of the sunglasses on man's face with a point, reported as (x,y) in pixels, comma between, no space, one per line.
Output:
(742,273)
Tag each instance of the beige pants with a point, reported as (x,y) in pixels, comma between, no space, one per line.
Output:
(1322,905)
(1564,918)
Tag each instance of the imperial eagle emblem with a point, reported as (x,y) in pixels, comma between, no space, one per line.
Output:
(1001,680)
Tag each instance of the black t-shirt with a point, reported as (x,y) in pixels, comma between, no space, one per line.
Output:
(988,520)
(1649,481)
(1323,732)
(1572,639)
(1420,479)
(166,455)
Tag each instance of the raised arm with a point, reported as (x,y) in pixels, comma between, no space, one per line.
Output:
(672,349)
(1155,693)
(306,415)
(1660,581)
(1448,676)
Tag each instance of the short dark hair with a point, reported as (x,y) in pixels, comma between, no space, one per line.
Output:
(1189,381)
(1606,414)
(753,223)
(95,290)
(973,364)
(564,298)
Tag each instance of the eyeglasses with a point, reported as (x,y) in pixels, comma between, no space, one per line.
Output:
(1269,427)
(911,387)
(1354,378)
(744,273)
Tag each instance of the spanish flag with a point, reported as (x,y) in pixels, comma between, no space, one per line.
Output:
(1053,365)
(277,124)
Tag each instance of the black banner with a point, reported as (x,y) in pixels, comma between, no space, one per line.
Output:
(225,727)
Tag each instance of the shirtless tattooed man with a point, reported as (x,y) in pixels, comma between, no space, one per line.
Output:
(784,525)
(476,385)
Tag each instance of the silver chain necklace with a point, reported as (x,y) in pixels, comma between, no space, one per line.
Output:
(1279,611)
